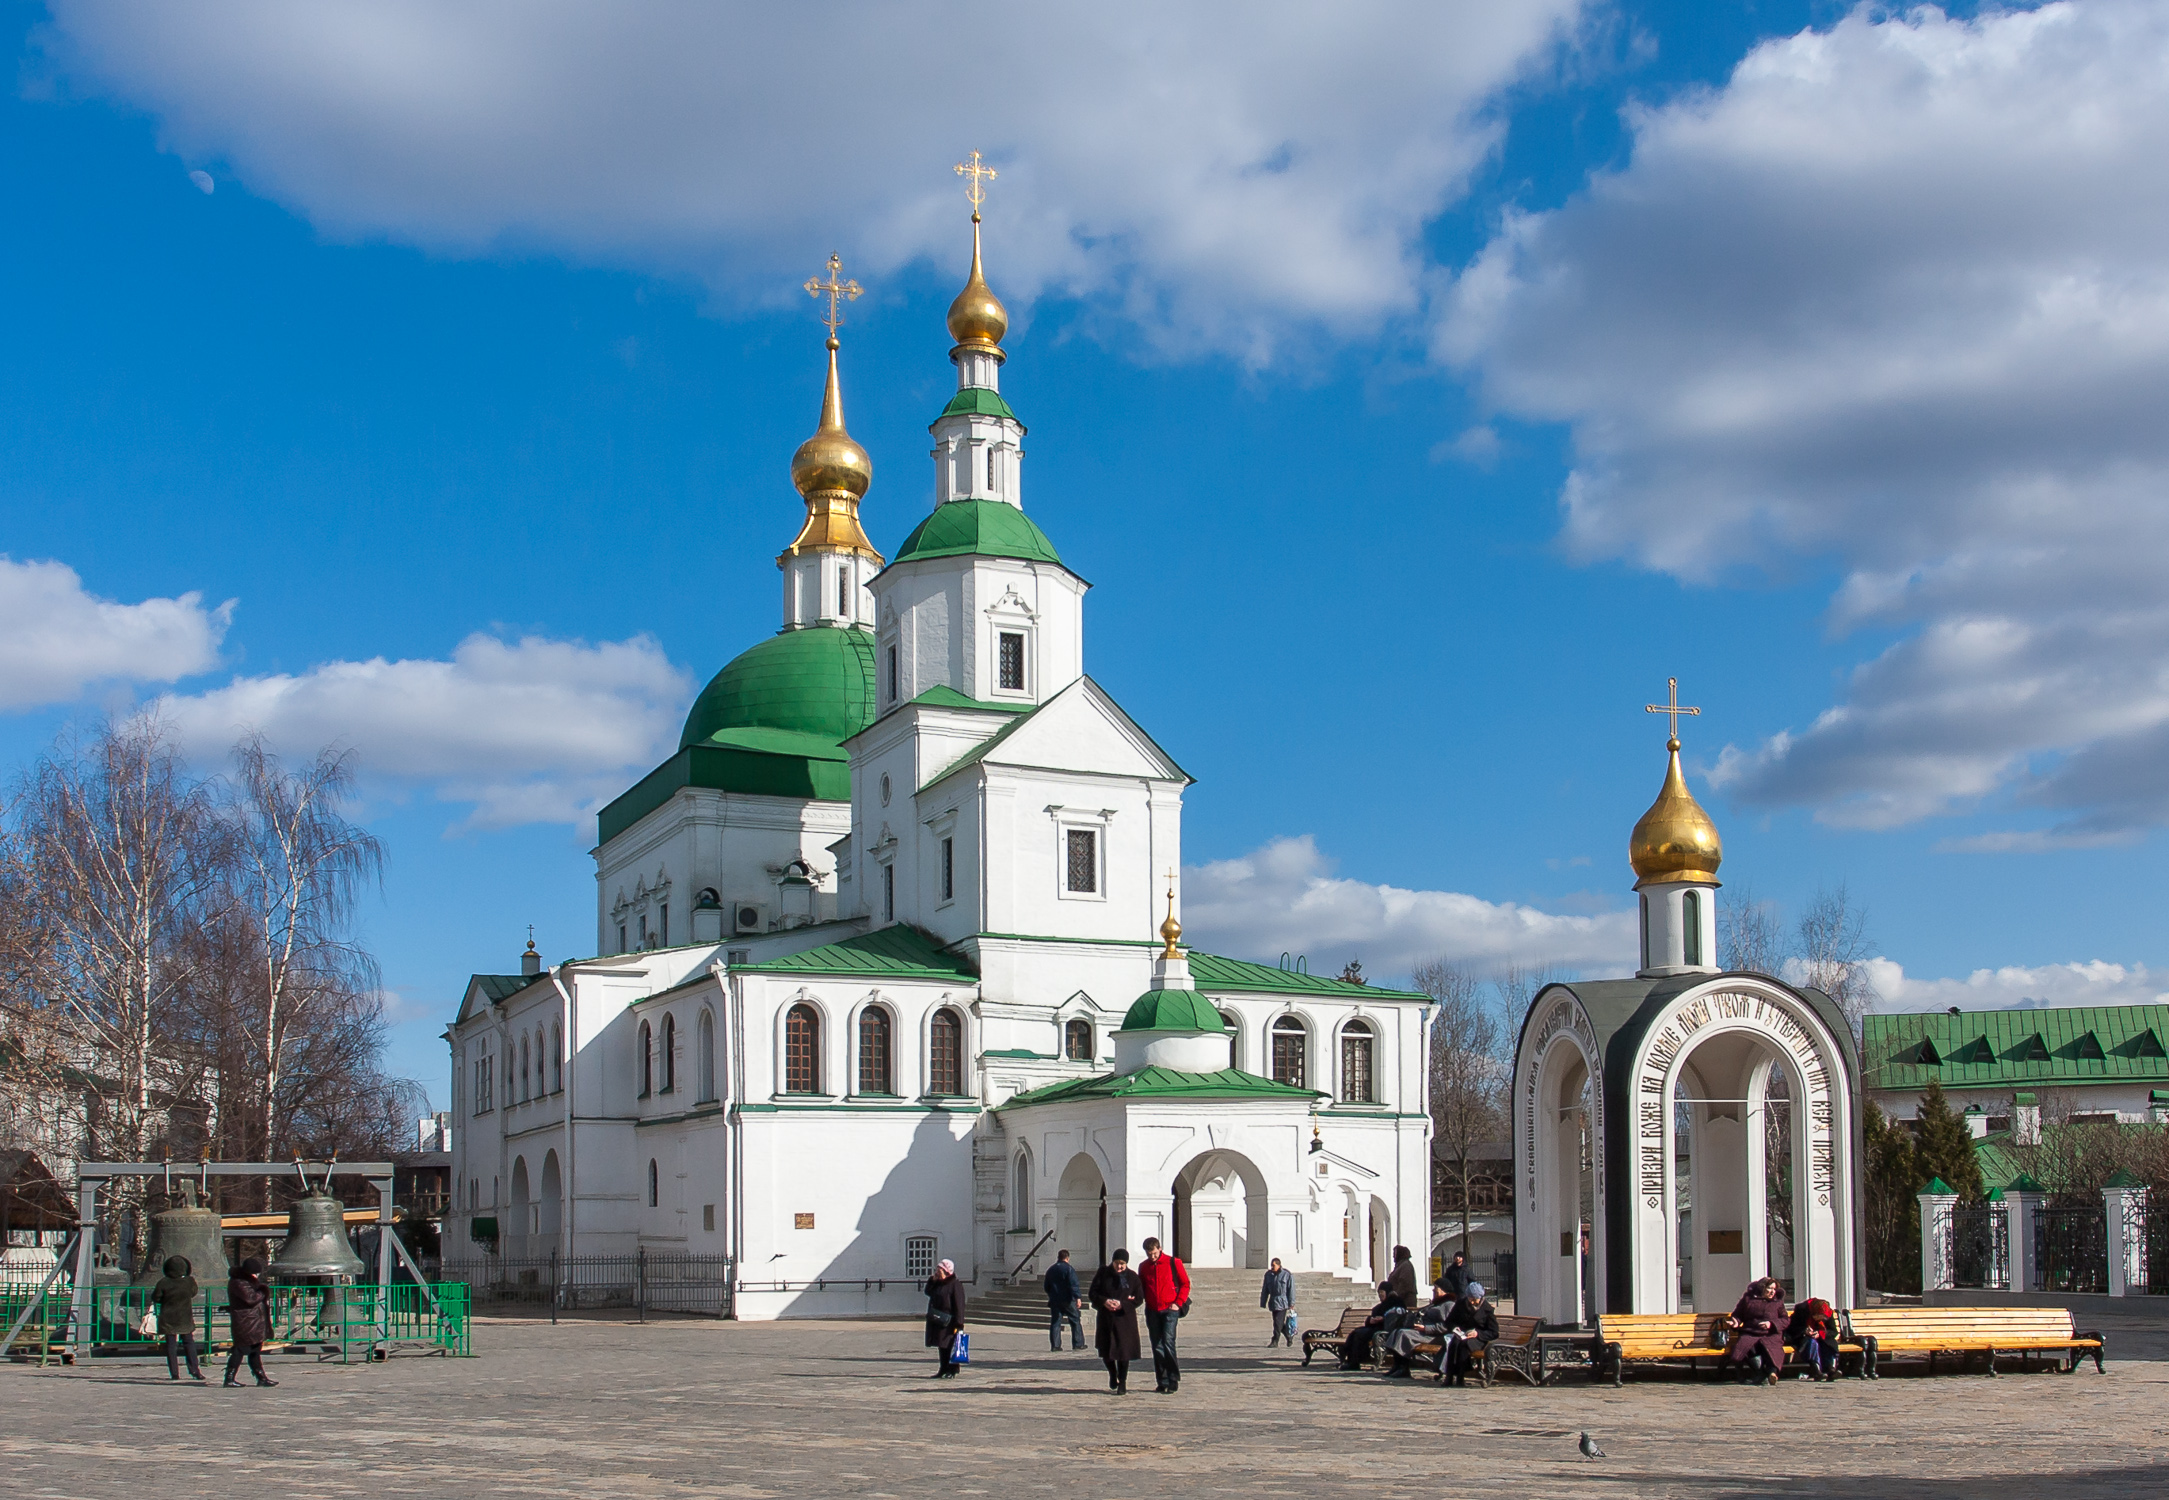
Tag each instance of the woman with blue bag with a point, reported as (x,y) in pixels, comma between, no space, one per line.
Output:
(945,1317)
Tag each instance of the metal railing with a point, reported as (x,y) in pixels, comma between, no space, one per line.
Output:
(2071,1248)
(333,1322)
(645,1281)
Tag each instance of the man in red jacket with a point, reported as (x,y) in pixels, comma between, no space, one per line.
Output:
(1167,1293)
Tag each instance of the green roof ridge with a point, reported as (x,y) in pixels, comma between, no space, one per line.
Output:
(896,952)
(1164,1083)
(1172,1010)
(1939,1186)
(977,528)
(978,401)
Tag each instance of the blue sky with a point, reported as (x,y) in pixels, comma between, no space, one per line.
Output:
(1416,408)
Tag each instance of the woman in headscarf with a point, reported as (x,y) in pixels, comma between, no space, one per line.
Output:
(175,1297)
(944,1316)
(248,1315)
(1760,1318)
(1115,1293)
(1814,1332)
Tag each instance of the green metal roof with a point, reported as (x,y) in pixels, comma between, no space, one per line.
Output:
(2011,1048)
(498,987)
(897,952)
(941,695)
(1219,974)
(982,528)
(758,762)
(975,401)
(1172,1010)
(1166,1083)
(818,681)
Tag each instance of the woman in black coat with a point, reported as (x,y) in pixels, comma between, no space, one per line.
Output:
(1115,1293)
(248,1314)
(175,1298)
(944,1316)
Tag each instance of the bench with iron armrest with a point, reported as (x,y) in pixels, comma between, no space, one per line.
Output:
(1514,1349)
(1334,1340)
(1969,1331)
(1693,1337)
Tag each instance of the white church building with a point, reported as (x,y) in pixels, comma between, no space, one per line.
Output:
(889,964)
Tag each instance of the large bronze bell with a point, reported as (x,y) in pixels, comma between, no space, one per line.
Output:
(193,1234)
(316,1247)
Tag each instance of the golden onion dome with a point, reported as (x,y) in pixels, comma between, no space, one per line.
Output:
(831,460)
(977,319)
(1675,840)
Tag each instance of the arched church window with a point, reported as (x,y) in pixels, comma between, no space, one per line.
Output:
(647,1060)
(523,1069)
(1235,1038)
(877,1069)
(557,1058)
(1357,1084)
(655,1185)
(1077,1040)
(1291,1045)
(945,1053)
(1691,918)
(1020,1192)
(704,1038)
(843,593)
(670,1054)
(1645,930)
(801,1050)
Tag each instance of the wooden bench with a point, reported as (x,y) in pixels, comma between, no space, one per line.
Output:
(1334,1340)
(1969,1331)
(1692,1337)
(1514,1349)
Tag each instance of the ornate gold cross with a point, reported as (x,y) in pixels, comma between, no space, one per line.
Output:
(1671,707)
(837,292)
(977,174)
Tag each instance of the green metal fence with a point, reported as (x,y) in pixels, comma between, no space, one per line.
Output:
(337,1322)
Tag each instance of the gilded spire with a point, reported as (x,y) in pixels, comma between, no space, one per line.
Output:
(1170,929)
(1675,840)
(977,319)
(830,469)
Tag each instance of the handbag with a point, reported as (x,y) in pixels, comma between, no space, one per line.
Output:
(1291,1323)
(147,1325)
(962,1354)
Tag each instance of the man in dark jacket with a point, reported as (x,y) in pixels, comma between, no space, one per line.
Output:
(1062,1303)
(1277,1297)
(1456,1276)
(1167,1293)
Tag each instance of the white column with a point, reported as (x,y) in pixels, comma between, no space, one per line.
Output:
(2022,1205)
(1935,1236)
(2124,1203)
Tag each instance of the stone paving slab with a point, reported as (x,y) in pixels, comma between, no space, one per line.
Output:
(684,1408)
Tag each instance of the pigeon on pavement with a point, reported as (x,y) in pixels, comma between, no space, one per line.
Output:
(1590,1448)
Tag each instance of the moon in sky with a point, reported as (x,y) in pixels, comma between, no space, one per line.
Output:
(203,182)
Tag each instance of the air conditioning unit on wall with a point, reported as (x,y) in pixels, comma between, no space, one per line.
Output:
(746,918)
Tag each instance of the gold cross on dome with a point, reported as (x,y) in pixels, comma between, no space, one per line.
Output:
(836,290)
(977,174)
(1671,707)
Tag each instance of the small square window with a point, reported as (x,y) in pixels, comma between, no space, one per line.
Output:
(1012,661)
(1082,872)
(921,1252)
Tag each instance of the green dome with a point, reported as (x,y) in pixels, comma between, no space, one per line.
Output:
(987,528)
(819,680)
(1173,1010)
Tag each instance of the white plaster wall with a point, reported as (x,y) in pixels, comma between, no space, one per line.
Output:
(726,840)
(2130,1100)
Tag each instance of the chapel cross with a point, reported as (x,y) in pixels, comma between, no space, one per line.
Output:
(976,173)
(1671,707)
(836,290)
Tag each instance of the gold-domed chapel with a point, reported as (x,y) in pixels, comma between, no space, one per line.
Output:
(1682,1132)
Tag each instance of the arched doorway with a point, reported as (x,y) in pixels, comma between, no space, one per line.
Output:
(1221,1218)
(1080,1212)
(551,1205)
(523,1211)
(1559,1150)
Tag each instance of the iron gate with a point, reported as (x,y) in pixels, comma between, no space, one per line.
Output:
(1980,1245)
(2071,1248)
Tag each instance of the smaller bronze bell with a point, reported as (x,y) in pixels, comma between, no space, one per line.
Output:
(316,1247)
(196,1235)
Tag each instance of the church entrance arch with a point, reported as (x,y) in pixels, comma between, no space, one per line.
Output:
(1080,1212)
(522,1210)
(1559,1149)
(1221,1216)
(552,1204)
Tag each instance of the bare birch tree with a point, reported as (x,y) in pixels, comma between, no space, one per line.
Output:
(1834,949)
(1468,1075)
(1748,941)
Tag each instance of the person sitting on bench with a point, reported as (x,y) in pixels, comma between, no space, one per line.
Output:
(1760,1318)
(1814,1332)
(1429,1327)
(1473,1324)
(1357,1351)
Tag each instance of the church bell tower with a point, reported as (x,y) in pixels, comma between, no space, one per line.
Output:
(1675,852)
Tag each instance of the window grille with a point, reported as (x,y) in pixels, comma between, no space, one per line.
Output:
(945,1054)
(801,1050)
(1356,1083)
(647,1060)
(888,893)
(1077,1041)
(876,1076)
(670,1054)
(892,674)
(921,1253)
(1083,872)
(948,869)
(1012,654)
(655,1186)
(1290,1062)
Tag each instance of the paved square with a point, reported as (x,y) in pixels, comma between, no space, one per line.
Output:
(700,1408)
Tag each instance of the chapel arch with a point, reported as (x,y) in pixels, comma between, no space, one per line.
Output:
(1080,1211)
(1221,1215)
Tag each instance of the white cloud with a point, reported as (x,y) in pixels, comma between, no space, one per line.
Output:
(1896,295)
(1284,897)
(533,730)
(1217,172)
(2093,983)
(56,639)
